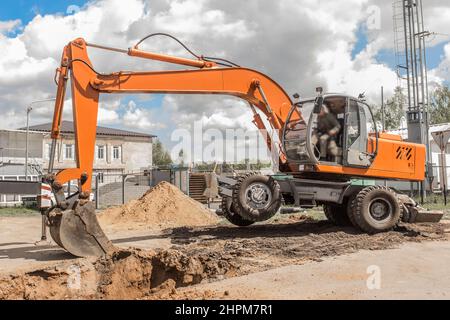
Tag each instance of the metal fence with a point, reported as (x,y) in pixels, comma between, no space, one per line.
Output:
(15,199)
(110,189)
(116,189)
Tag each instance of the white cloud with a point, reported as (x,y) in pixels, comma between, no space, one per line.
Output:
(28,60)
(363,74)
(9,25)
(300,44)
(442,72)
(138,118)
(106,116)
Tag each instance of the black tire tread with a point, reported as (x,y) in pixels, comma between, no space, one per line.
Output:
(358,207)
(337,214)
(233,217)
(350,206)
(243,212)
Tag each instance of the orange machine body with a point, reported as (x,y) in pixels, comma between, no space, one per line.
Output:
(259,90)
(396,159)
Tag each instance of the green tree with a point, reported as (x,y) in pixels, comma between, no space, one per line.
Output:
(160,156)
(393,110)
(440,105)
(181,158)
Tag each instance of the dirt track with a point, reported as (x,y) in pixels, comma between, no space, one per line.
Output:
(181,257)
(411,271)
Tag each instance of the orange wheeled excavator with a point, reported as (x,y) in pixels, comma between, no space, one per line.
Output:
(305,177)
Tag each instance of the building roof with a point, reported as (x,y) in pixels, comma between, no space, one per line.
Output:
(67,127)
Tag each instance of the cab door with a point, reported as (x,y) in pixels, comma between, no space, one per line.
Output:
(356,135)
(297,133)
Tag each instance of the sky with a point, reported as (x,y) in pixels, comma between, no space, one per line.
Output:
(343,46)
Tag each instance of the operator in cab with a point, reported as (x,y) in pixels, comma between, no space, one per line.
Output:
(325,134)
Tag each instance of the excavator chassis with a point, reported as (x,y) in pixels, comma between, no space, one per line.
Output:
(310,193)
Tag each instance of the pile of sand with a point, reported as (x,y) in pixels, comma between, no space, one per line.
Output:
(163,206)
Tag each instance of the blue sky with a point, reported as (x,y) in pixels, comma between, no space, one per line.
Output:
(25,10)
(434,53)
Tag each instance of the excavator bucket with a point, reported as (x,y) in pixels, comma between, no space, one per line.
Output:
(79,232)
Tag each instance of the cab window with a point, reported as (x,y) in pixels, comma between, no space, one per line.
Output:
(295,133)
(353,122)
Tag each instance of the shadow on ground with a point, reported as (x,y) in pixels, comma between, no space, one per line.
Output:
(33,252)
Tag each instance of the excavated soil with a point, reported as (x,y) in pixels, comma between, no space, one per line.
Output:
(126,274)
(203,254)
(272,245)
(163,206)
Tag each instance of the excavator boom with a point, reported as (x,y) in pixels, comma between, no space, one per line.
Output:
(74,225)
(258,89)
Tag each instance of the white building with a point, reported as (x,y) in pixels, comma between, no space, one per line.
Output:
(116,151)
(435,151)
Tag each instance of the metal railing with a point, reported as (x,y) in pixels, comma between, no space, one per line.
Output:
(15,199)
(117,189)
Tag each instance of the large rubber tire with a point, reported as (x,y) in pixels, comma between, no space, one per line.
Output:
(229,213)
(376,209)
(350,205)
(337,214)
(244,208)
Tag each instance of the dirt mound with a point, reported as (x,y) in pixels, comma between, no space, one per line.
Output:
(163,206)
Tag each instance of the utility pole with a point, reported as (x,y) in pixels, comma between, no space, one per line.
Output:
(383,120)
(410,49)
(383,116)
(29,109)
(26,142)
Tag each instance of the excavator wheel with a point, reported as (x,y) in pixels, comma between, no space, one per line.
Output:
(376,209)
(337,214)
(256,197)
(229,213)
(350,205)
(78,231)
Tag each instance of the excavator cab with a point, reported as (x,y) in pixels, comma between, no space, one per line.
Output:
(345,142)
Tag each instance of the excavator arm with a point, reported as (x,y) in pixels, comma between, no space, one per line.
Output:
(257,89)
(73,224)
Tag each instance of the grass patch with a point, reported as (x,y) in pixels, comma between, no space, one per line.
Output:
(316,213)
(17,212)
(436,202)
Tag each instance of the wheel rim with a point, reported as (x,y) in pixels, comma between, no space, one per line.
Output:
(258,195)
(380,209)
